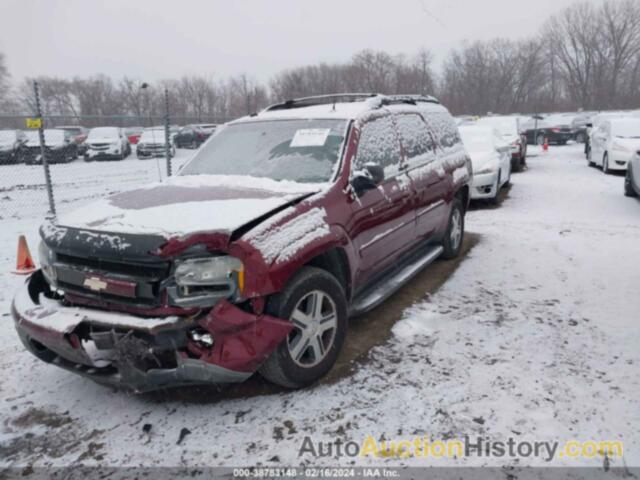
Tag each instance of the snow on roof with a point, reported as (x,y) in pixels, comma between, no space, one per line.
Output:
(340,110)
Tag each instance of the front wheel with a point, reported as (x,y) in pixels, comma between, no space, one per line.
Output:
(452,242)
(314,302)
(628,186)
(605,164)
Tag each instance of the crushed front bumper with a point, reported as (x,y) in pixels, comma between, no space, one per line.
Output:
(144,354)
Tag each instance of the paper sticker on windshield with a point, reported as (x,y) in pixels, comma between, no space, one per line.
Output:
(310,137)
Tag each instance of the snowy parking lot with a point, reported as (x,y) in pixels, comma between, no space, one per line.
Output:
(533,336)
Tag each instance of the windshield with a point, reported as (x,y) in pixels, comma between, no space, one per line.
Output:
(72,130)
(103,132)
(506,127)
(50,137)
(298,150)
(8,136)
(630,129)
(152,136)
(477,140)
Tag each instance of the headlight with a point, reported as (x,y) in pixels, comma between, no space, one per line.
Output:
(46,262)
(204,281)
(619,147)
(488,168)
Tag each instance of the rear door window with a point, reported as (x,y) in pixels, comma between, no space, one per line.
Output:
(379,144)
(417,142)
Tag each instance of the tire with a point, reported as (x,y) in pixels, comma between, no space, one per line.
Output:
(494,200)
(452,245)
(605,164)
(628,185)
(540,140)
(296,367)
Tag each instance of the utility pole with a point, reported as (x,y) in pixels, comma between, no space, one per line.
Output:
(45,161)
(167,136)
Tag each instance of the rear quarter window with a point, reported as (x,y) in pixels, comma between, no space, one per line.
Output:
(444,129)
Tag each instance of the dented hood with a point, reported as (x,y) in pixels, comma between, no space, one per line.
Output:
(184,205)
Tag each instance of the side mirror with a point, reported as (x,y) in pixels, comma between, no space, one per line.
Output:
(367,179)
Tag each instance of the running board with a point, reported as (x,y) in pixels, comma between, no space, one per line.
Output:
(383,289)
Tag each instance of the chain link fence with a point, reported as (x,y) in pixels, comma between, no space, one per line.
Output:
(52,164)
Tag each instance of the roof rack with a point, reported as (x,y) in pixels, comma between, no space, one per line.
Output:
(379,100)
(410,99)
(320,100)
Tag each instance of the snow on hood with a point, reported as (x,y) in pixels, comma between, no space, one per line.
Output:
(480,159)
(632,143)
(188,204)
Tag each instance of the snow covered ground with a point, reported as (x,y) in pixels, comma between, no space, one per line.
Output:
(535,336)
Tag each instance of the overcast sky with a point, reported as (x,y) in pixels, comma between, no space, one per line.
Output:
(153,39)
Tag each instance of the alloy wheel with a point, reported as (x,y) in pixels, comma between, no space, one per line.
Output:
(315,322)
(455,235)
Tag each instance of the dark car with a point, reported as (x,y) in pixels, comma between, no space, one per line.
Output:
(554,130)
(253,258)
(579,125)
(13,147)
(190,136)
(78,135)
(59,147)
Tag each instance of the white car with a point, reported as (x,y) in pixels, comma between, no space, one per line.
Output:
(490,158)
(614,143)
(106,143)
(508,128)
(152,144)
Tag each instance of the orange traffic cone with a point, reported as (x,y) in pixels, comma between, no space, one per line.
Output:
(25,264)
(545,146)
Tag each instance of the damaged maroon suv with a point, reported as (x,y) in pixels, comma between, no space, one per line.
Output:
(252,259)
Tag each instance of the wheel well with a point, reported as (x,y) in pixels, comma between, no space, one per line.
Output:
(335,262)
(463,195)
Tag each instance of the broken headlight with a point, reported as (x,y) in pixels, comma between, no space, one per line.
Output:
(203,281)
(45,256)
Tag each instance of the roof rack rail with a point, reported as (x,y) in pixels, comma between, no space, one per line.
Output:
(410,99)
(378,100)
(320,100)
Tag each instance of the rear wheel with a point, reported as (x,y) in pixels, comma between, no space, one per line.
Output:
(628,186)
(452,241)
(315,303)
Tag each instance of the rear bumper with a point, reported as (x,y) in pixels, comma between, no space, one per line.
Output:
(144,354)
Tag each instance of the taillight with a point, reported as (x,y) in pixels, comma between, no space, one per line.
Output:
(556,130)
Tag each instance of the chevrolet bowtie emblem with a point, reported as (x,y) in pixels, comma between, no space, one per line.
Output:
(95,284)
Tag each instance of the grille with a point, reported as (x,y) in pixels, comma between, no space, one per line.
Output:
(145,279)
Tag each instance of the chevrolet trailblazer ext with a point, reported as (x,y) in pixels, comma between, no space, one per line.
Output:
(280,228)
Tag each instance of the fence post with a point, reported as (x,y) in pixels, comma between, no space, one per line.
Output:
(45,161)
(167,136)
